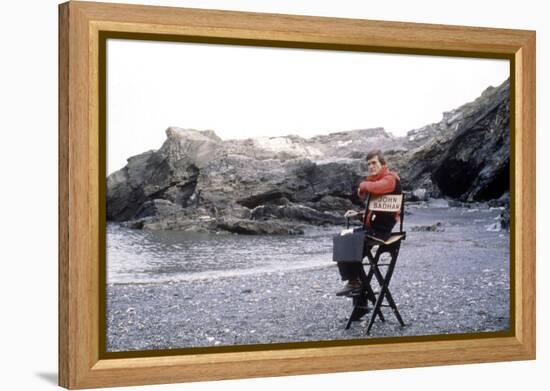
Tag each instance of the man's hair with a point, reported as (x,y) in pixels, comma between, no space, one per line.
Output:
(376,153)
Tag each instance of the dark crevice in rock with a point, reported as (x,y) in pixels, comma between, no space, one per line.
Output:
(499,184)
(264,198)
(454,177)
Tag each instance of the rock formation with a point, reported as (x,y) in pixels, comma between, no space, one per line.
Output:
(279,185)
(466,155)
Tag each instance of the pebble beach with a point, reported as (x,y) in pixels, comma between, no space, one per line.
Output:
(452,281)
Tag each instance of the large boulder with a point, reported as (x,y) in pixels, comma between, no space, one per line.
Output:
(170,173)
(295,212)
(251,227)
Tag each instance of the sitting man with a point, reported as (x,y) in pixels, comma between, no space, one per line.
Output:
(380,224)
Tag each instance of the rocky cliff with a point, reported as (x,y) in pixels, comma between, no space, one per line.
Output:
(196,181)
(467,154)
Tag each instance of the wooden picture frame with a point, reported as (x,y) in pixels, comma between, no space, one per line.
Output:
(82,28)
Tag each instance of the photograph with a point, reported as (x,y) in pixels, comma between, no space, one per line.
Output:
(239,177)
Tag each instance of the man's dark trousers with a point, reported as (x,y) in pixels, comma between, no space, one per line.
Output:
(352,270)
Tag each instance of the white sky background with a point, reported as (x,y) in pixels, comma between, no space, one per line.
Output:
(242,92)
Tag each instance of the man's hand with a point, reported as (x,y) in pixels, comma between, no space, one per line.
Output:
(351,213)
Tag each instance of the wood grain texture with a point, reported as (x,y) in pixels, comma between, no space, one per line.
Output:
(80,23)
(526,120)
(294,28)
(63,197)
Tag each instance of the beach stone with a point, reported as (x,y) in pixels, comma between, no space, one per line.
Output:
(420,195)
(437,227)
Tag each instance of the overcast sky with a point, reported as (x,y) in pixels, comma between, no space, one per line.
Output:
(242,92)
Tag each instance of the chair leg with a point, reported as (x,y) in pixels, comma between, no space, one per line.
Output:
(375,310)
(372,295)
(360,308)
(384,282)
(361,302)
(384,293)
(367,278)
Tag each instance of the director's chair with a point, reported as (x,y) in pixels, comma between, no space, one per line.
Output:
(354,245)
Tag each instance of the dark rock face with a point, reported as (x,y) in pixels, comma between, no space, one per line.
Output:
(476,165)
(296,213)
(251,227)
(470,162)
(198,182)
(170,173)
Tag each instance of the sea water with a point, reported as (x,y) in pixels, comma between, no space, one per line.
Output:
(145,256)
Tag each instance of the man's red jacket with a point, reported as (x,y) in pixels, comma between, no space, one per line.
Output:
(382,183)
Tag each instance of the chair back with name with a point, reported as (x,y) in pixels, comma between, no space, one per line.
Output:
(386,203)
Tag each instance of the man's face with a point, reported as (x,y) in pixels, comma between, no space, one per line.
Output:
(374,166)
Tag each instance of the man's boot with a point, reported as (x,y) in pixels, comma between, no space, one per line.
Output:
(352,286)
